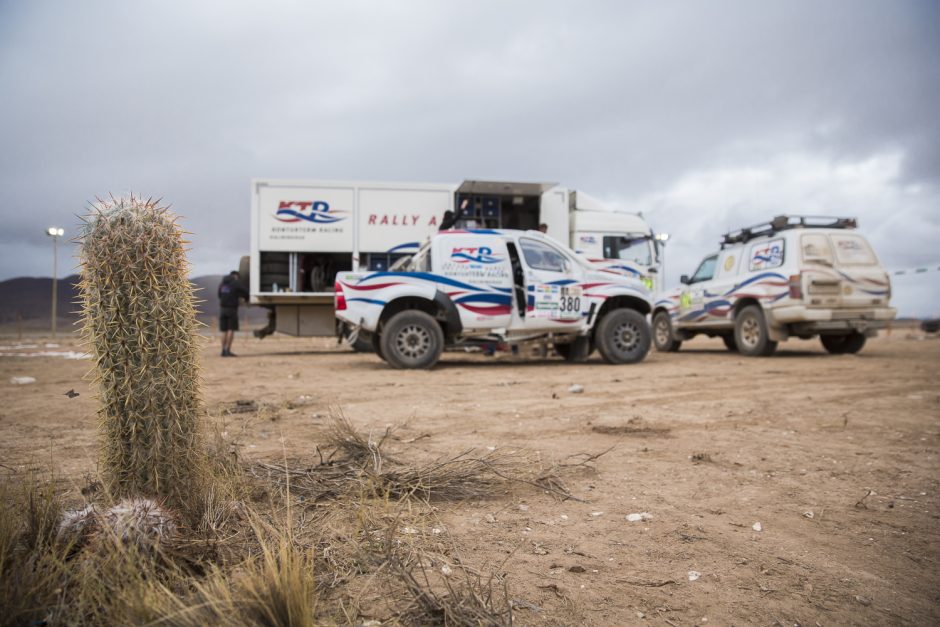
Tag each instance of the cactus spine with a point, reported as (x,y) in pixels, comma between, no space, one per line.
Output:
(139,318)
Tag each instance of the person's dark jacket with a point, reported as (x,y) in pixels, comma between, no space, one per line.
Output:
(230,290)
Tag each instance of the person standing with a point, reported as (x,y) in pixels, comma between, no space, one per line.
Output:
(230,290)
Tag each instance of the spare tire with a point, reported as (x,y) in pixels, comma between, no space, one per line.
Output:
(244,270)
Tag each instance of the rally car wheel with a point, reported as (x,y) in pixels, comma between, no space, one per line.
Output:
(377,345)
(412,339)
(750,333)
(663,339)
(576,351)
(623,336)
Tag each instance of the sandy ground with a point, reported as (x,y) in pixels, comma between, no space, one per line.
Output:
(836,458)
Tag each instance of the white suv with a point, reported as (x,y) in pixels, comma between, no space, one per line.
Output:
(796,275)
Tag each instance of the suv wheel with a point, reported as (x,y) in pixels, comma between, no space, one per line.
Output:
(623,336)
(750,333)
(577,351)
(412,339)
(729,342)
(662,334)
(839,344)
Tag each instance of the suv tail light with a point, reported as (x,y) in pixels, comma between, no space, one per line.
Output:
(339,299)
(796,286)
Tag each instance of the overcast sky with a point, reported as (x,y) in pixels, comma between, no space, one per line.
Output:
(704,115)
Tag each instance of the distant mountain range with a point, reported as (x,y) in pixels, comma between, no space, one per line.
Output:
(27,301)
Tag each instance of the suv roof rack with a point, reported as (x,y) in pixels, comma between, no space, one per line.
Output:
(783,223)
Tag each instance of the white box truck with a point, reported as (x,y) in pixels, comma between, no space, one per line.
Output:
(304,232)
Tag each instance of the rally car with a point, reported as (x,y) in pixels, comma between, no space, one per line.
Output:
(488,287)
(800,276)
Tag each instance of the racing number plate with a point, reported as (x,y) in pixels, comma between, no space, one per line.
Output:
(558,302)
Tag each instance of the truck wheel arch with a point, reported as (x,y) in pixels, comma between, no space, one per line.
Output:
(622,302)
(740,304)
(441,309)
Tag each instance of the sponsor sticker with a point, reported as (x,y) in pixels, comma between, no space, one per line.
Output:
(558,302)
(767,255)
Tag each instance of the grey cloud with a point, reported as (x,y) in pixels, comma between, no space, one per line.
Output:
(190,100)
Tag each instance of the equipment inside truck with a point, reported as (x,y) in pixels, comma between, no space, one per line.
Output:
(301,272)
(495,205)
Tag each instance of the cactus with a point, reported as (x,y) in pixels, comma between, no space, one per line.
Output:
(140,523)
(139,318)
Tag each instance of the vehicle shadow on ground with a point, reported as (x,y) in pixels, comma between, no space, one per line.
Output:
(779,354)
(445,363)
(297,353)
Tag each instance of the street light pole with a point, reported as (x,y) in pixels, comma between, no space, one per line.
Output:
(55,233)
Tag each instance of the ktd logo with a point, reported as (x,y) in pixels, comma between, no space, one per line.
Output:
(481,254)
(316,211)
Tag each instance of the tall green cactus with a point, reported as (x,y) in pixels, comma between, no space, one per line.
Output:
(139,317)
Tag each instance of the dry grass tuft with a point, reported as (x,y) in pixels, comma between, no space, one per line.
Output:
(450,595)
(363,464)
(349,538)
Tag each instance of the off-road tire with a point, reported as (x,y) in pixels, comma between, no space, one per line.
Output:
(834,344)
(623,336)
(841,344)
(729,342)
(412,339)
(576,351)
(377,345)
(244,270)
(362,344)
(855,342)
(663,338)
(750,333)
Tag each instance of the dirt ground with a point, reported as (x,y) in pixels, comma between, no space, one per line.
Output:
(836,458)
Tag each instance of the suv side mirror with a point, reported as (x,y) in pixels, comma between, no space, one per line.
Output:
(684,279)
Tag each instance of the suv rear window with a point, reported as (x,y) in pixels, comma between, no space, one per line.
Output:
(853,250)
(816,248)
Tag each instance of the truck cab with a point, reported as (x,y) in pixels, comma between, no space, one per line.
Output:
(484,286)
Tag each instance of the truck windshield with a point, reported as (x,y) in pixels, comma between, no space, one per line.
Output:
(633,247)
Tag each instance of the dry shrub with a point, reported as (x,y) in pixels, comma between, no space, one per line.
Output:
(30,560)
(272,588)
(461,597)
(364,465)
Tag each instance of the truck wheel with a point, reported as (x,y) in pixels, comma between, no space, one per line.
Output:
(244,270)
(412,339)
(750,333)
(662,334)
(577,351)
(729,342)
(363,343)
(623,336)
(377,345)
